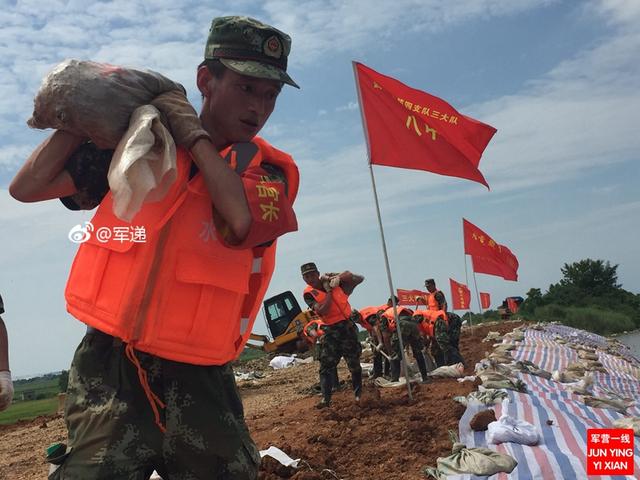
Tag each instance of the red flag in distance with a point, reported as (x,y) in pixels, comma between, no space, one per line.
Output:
(485,300)
(460,295)
(408,297)
(409,128)
(489,266)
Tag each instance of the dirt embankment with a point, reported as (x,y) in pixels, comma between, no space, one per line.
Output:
(385,437)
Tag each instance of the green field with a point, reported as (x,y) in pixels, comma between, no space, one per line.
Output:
(39,388)
(28,410)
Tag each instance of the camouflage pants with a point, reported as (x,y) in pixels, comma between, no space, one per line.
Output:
(340,340)
(455,324)
(112,430)
(378,359)
(447,339)
(410,337)
(317,347)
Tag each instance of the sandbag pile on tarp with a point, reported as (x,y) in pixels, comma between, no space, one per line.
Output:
(525,366)
(605,402)
(629,422)
(492,337)
(488,396)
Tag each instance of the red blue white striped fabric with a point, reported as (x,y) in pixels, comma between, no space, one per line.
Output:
(561,452)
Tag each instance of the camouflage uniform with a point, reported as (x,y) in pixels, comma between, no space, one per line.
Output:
(447,339)
(410,337)
(112,430)
(340,340)
(316,346)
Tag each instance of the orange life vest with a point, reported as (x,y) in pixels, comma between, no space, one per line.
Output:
(432,304)
(391,321)
(368,312)
(338,310)
(309,327)
(182,294)
(426,321)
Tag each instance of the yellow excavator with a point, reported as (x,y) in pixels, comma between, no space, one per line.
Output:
(285,321)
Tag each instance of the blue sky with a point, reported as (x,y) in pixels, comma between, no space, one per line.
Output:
(559,80)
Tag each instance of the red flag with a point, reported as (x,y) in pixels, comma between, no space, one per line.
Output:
(408,297)
(490,266)
(512,304)
(408,128)
(485,300)
(460,295)
(488,256)
(477,242)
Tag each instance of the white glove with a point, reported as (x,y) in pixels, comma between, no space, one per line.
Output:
(334,282)
(6,389)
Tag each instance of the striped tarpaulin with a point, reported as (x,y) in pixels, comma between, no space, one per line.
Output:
(561,454)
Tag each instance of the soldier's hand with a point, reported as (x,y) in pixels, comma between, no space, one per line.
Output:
(6,389)
(180,117)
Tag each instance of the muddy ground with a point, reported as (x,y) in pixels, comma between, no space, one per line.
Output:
(383,437)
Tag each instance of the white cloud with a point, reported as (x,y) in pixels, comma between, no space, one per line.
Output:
(348,107)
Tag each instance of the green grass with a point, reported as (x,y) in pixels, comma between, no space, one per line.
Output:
(43,387)
(250,354)
(28,410)
(592,319)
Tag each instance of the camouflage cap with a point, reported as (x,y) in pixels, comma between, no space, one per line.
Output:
(308,268)
(429,281)
(250,47)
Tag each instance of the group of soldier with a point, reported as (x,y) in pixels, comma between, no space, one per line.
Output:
(432,333)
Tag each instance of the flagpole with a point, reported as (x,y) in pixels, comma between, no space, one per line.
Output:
(477,294)
(384,244)
(466,282)
(466,276)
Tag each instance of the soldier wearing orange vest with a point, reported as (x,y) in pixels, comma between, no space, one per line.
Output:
(408,328)
(328,296)
(370,322)
(444,351)
(151,385)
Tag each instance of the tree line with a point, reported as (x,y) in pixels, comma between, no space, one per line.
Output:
(588,296)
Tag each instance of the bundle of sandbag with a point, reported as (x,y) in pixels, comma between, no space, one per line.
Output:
(95,100)
(476,461)
(489,396)
(448,371)
(110,105)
